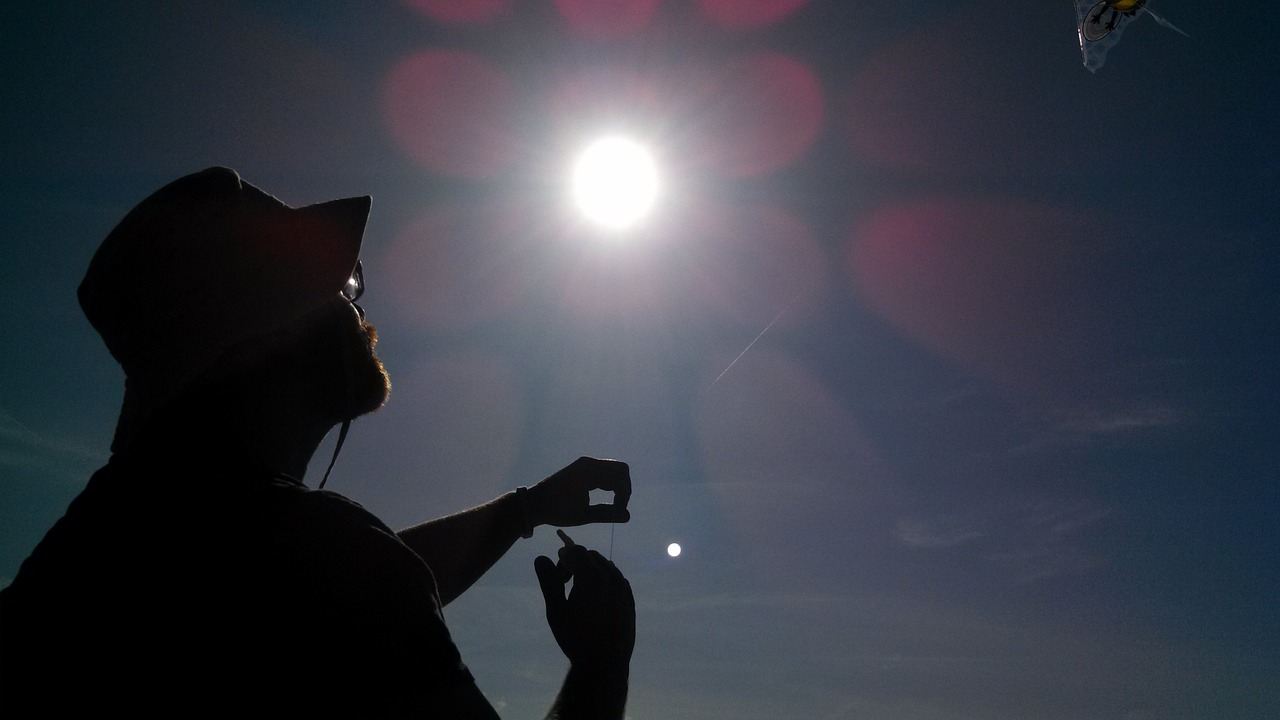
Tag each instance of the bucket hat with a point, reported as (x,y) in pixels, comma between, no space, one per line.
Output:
(202,265)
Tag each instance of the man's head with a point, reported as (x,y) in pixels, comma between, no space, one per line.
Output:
(210,266)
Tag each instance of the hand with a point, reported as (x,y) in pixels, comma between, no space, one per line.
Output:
(595,625)
(564,499)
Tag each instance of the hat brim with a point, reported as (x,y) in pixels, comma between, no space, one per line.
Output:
(343,222)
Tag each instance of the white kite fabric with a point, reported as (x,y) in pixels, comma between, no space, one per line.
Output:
(1099,24)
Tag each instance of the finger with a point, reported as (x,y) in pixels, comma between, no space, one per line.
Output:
(564,564)
(614,475)
(591,566)
(606,574)
(619,481)
(606,513)
(552,587)
(599,572)
(571,558)
(623,597)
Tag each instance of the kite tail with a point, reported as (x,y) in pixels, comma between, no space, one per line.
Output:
(1165,23)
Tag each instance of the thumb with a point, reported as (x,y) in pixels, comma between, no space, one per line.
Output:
(603,513)
(552,586)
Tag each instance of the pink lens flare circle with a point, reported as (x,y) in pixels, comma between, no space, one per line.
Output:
(461,12)
(766,110)
(452,112)
(607,19)
(746,14)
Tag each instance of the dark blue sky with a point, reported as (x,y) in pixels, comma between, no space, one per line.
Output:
(1007,452)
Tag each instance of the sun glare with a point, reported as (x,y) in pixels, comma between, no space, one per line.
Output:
(615,182)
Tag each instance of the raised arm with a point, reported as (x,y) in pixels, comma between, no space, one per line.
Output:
(460,548)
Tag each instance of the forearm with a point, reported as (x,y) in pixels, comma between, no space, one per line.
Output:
(460,548)
(589,695)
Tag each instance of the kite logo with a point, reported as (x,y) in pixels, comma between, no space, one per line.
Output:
(1100,22)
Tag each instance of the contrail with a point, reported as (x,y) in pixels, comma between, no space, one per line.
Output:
(753,342)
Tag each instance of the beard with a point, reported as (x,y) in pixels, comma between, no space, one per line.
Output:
(367,383)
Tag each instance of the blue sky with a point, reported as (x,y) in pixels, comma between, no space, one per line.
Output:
(1008,450)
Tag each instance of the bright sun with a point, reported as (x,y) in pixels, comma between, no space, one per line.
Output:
(615,182)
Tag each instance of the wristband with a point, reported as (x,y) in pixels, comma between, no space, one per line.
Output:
(526,528)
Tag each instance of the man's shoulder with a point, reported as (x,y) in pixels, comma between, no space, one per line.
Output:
(324,518)
(325,539)
(306,505)
(240,513)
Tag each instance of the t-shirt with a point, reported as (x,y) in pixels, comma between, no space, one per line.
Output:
(176,590)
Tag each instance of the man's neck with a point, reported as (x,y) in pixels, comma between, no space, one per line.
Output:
(281,435)
(269,432)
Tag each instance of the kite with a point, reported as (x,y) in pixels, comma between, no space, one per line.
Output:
(1100,22)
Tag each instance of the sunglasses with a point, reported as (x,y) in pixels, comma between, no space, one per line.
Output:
(355,287)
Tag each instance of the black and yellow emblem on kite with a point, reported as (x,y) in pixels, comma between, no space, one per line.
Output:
(1100,22)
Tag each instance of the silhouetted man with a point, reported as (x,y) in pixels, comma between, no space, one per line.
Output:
(196,575)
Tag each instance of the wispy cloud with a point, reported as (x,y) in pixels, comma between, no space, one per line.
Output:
(1027,541)
(1041,562)
(22,447)
(1112,422)
(1058,521)
(1083,427)
(1051,539)
(917,533)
